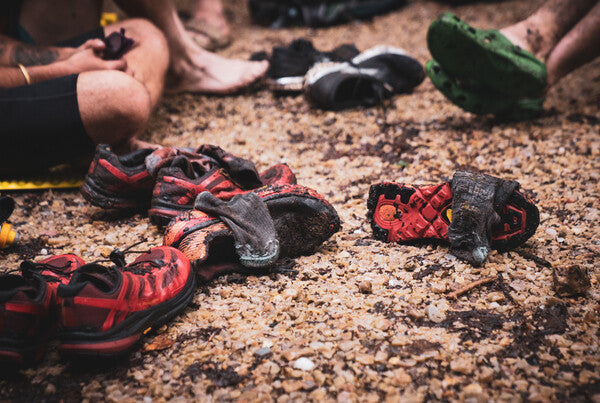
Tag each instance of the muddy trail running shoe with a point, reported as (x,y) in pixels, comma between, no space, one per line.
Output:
(28,317)
(107,309)
(178,185)
(54,270)
(401,212)
(302,218)
(126,181)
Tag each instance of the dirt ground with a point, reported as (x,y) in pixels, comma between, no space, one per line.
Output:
(368,320)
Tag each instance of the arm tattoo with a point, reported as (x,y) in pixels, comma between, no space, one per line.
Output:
(30,56)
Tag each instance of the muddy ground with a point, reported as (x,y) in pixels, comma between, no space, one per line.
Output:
(374,320)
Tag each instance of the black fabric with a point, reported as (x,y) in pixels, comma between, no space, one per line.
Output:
(300,55)
(117,44)
(241,171)
(7,206)
(477,201)
(40,126)
(248,218)
(79,40)
(316,13)
(347,88)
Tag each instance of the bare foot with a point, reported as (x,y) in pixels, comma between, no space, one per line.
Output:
(528,36)
(198,70)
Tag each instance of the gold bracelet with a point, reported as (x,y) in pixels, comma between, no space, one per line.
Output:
(25,73)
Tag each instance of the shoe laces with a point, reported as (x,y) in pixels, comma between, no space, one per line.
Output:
(28,267)
(117,257)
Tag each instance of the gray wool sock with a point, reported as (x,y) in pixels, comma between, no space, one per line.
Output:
(477,201)
(248,218)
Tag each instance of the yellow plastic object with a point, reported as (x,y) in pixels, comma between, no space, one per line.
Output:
(42,183)
(58,177)
(108,18)
(7,236)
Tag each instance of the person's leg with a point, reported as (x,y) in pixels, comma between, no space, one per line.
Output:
(148,59)
(211,10)
(579,46)
(193,69)
(541,31)
(114,108)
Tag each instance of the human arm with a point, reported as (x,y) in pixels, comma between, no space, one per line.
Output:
(82,59)
(13,52)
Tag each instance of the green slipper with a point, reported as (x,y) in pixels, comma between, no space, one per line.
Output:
(485,56)
(483,101)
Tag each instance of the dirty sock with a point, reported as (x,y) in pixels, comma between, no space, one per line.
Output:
(248,218)
(477,201)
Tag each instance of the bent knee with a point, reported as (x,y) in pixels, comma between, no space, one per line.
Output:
(113,101)
(144,32)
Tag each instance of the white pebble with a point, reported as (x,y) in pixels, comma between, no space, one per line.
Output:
(304,364)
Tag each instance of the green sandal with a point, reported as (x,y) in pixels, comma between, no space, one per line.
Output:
(485,56)
(483,101)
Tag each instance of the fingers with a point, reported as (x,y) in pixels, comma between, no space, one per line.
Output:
(97,45)
(120,64)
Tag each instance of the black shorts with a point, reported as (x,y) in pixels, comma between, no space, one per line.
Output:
(40,124)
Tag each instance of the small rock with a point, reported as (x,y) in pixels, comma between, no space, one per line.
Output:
(462,365)
(304,364)
(50,389)
(365,287)
(570,280)
(263,352)
(434,314)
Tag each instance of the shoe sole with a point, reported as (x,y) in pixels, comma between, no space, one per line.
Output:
(483,102)
(19,353)
(97,196)
(120,339)
(487,57)
(403,213)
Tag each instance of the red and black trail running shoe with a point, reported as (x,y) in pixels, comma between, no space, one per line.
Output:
(105,310)
(401,213)
(27,318)
(302,218)
(118,182)
(177,187)
(55,270)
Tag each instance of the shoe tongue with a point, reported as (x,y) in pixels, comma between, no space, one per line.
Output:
(294,60)
(102,277)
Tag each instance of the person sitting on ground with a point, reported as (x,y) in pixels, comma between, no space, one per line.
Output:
(58,101)
(508,72)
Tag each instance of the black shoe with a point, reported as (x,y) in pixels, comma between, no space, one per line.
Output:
(289,64)
(366,80)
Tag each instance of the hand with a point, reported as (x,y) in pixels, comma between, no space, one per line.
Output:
(88,57)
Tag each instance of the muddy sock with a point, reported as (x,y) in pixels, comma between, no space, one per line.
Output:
(248,218)
(477,201)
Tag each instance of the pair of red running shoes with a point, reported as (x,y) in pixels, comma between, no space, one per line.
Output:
(168,179)
(94,309)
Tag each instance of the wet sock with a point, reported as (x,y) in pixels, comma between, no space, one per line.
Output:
(117,44)
(477,201)
(248,218)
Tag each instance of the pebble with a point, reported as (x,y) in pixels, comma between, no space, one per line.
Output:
(304,364)
(434,314)
(365,287)
(263,352)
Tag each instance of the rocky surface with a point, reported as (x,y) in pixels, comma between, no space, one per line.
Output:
(361,320)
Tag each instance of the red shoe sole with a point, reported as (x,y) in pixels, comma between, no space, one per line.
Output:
(402,213)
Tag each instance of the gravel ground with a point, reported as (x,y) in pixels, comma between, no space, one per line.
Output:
(361,320)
